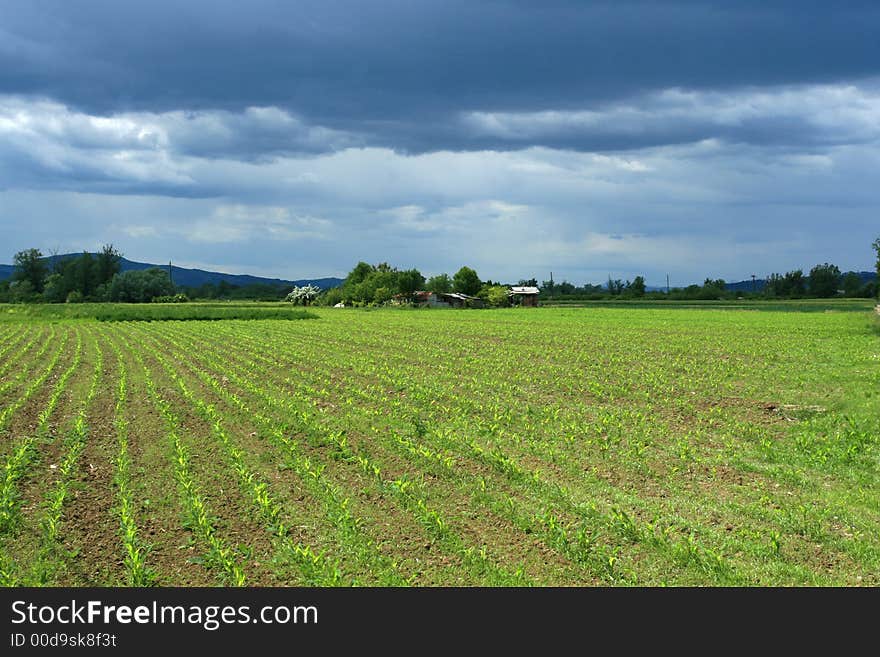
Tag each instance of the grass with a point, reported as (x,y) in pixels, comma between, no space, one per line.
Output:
(154,312)
(768,305)
(613,445)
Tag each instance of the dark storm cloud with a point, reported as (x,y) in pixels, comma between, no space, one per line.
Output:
(401,73)
(296,138)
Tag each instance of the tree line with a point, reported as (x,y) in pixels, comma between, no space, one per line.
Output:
(86,277)
(368,284)
(98,278)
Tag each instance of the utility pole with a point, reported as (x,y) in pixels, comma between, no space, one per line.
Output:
(170,272)
(667,284)
(753,283)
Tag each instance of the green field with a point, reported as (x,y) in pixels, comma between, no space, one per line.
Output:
(605,445)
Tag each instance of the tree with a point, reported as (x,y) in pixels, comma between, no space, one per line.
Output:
(824,280)
(31,268)
(615,286)
(359,273)
(107,264)
(439,284)
(876,245)
(225,289)
(495,296)
(141,286)
(22,292)
(85,274)
(381,295)
(303,295)
(637,287)
(851,284)
(410,281)
(795,283)
(54,291)
(466,281)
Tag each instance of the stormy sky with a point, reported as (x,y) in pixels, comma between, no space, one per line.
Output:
(590,139)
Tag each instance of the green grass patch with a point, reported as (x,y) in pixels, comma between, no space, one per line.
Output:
(793,305)
(154,312)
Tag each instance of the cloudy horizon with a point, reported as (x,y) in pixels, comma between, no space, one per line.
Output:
(584,139)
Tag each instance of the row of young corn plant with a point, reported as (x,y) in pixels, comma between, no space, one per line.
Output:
(557,443)
(45,563)
(24,452)
(299,405)
(683,549)
(312,474)
(23,371)
(409,492)
(592,554)
(134,550)
(587,519)
(412,492)
(219,556)
(446,463)
(348,528)
(10,340)
(315,568)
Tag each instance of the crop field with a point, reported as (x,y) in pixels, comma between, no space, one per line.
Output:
(605,445)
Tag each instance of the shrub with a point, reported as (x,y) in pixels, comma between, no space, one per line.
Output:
(303,295)
(141,286)
(171,298)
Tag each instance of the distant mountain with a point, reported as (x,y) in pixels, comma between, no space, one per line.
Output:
(747,286)
(196,277)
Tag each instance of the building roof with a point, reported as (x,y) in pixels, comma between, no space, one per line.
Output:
(455,295)
(524,289)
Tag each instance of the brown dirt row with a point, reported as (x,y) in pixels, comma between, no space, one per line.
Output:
(90,526)
(396,532)
(233,516)
(172,553)
(480,523)
(476,527)
(26,540)
(526,458)
(312,527)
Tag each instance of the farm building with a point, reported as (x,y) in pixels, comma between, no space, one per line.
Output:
(458,300)
(439,300)
(524,295)
(420,298)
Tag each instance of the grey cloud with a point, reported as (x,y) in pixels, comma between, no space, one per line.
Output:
(401,73)
(789,116)
(46,144)
(294,139)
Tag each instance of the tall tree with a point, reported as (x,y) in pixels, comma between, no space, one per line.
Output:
(824,280)
(409,281)
(107,264)
(851,284)
(637,287)
(85,274)
(466,281)
(359,273)
(30,267)
(440,283)
(141,286)
(876,245)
